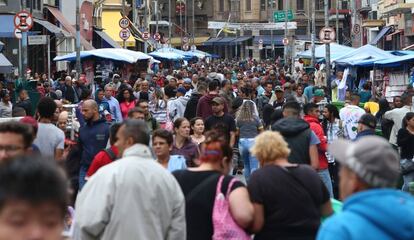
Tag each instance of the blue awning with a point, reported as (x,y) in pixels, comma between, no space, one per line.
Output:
(7,26)
(107,41)
(5,65)
(268,39)
(211,41)
(1,46)
(381,34)
(226,41)
(242,39)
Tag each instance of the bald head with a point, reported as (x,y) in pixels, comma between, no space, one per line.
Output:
(90,110)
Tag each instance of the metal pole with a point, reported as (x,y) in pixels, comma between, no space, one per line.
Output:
(337,21)
(48,58)
(181,23)
(313,60)
(328,51)
(185,17)
(193,22)
(78,61)
(124,13)
(286,30)
(146,26)
(20,60)
(169,22)
(156,15)
(24,48)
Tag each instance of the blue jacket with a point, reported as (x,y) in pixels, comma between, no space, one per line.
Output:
(364,133)
(93,137)
(374,214)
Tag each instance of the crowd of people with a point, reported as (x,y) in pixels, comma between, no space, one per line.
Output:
(219,150)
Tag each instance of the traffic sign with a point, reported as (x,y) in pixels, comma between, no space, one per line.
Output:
(145,35)
(157,36)
(285,41)
(260,41)
(18,33)
(186,47)
(37,40)
(124,34)
(124,22)
(327,35)
(193,47)
(185,39)
(23,20)
(279,16)
(356,29)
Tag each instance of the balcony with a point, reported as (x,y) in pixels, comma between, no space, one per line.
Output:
(398,8)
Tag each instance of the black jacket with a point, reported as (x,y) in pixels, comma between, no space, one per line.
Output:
(27,106)
(191,108)
(297,134)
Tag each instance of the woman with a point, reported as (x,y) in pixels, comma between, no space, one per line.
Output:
(384,124)
(126,100)
(248,127)
(405,140)
(182,142)
(6,106)
(158,107)
(197,128)
(199,188)
(288,199)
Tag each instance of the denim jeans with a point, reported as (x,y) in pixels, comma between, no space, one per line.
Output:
(82,174)
(250,162)
(326,179)
(407,166)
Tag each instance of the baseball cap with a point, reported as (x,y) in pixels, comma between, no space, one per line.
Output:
(368,120)
(187,80)
(181,90)
(218,100)
(319,93)
(278,89)
(371,158)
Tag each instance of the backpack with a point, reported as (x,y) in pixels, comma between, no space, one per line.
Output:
(223,223)
(111,154)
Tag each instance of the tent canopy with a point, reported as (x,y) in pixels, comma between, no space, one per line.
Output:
(118,54)
(337,50)
(200,54)
(187,55)
(395,61)
(5,64)
(172,56)
(363,56)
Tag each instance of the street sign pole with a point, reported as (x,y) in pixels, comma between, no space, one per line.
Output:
(328,52)
(78,60)
(313,60)
(48,58)
(24,54)
(286,31)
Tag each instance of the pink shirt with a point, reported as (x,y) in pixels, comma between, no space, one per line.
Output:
(125,107)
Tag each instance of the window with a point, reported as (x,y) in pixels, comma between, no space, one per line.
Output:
(221,5)
(300,5)
(248,5)
(3,2)
(262,5)
(280,4)
(319,4)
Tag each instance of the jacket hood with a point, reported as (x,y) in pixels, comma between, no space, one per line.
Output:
(390,210)
(290,126)
(310,119)
(210,97)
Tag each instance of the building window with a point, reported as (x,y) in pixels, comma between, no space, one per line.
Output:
(319,4)
(3,2)
(221,5)
(300,5)
(280,4)
(248,5)
(262,5)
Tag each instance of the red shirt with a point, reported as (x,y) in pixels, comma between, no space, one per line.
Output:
(101,159)
(316,127)
(125,107)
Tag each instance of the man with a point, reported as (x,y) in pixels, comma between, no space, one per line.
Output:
(397,102)
(350,115)
(162,144)
(33,200)
(372,209)
(70,93)
(397,115)
(187,87)
(49,91)
(366,126)
(50,139)
(93,137)
(191,108)
(297,133)
(15,139)
(25,102)
(152,123)
(221,121)
(204,109)
(263,99)
(278,98)
(144,92)
(308,91)
(136,113)
(105,156)
(312,114)
(114,107)
(194,81)
(227,92)
(137,197)
(299,96)
(176,106)
(103,106)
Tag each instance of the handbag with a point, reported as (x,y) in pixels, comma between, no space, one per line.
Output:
(169,125)
(225,228)
(407,166)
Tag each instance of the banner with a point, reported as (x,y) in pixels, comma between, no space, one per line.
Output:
(251,26)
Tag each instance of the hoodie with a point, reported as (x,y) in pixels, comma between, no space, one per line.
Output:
(297,134)
(204,106)
(322,147)
(373,214)
(176,108)
(191,108)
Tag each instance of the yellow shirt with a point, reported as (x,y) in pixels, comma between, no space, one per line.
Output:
(371,107)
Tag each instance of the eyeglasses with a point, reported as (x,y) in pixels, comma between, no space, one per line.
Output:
(10,148)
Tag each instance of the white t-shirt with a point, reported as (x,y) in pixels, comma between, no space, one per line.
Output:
(350,116)
(48,138)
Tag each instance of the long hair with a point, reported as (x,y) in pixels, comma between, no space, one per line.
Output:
(121,98)
(157,96)
(246,112)
(407,118)
(215,148)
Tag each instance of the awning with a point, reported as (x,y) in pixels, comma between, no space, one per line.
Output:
(211,41)
(62,20)
(1,46)
(389,36)
(381,34)
(52,28)
(7,26)
(176,41)
(226,41)
(242,39)
(107,41)
(110,25)
(5,65)
(269,39)
(409,47)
